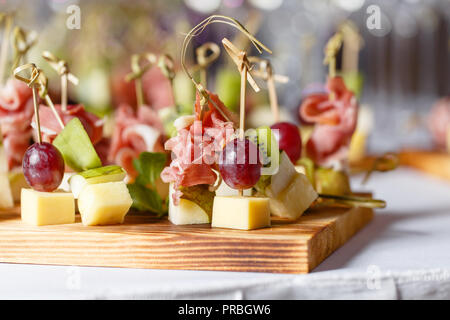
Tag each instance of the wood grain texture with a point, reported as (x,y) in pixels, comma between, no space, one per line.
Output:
(143,242)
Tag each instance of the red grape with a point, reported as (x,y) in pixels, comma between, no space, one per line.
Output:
(43,166)
(289,140)
(240,164)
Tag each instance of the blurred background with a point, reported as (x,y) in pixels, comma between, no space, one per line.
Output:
(400,69)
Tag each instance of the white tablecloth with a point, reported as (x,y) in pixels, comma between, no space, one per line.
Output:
(403,253)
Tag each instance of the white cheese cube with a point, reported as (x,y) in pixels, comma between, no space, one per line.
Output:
(286,172)
(293,200)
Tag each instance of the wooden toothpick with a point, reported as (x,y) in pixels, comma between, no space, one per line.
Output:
(167,66)
(352,42)
(8,19)
(137,71)
(32,83)
(206,54)
(331,49)
(60,66)
(23,41)
(265,72)
(241,61)
(244,72)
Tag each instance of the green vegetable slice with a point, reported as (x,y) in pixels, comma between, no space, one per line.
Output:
(76,147)
(201,195)
(355,201)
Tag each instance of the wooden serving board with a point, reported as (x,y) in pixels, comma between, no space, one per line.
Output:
(145,242)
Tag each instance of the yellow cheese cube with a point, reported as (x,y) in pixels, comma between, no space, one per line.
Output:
(44,208)
(244,213)
(104,203)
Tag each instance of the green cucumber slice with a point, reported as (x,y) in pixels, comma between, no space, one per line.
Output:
(74,144)
(105,174)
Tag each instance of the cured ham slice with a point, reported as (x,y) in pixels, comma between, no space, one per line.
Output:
(439,122)
(50,126)
(134,132)
(335,121)
(157,90)
(16,112)
(13,95)
(197,147)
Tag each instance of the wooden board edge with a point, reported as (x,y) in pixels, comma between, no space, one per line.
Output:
(336,234)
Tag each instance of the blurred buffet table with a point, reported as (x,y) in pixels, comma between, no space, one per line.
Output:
(401,254)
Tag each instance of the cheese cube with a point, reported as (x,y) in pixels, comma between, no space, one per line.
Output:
(17,182)
(284,176)
(244,213)
(6,196)
(300,169)
(186,212)
(293,200)
(44,208)
(104,203)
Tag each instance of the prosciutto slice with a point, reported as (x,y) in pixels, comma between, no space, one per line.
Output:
(439,122)
(134,132)
(157,90)
(50,126)
(16,112)
(197,147)
(335,121)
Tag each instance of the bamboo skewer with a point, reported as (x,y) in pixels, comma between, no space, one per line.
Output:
(206,54)
(198,29)
(137,71)
(243,64)
(265,72)
(331,49)
(23,41)
(167,66)
(352,42)
(38,80)
(5,44)
(60,66)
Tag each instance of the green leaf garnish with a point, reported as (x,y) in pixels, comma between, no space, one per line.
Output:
(149,166)
(146,199)
(143,191)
